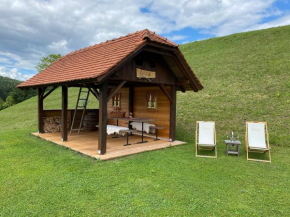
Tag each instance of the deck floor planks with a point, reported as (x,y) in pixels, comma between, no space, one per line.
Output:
(87,143)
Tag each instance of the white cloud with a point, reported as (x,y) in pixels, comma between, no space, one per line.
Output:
(221,17)
(282,21)
(14,74)
(59,47)
(32,29)
(5,60)
(177,37)
(19,61)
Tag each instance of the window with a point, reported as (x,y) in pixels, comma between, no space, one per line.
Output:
(116,100)
(151,100)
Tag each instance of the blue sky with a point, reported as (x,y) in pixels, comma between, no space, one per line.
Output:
(35,28)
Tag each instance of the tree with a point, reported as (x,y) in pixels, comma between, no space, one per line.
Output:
(1,103)
(47,61)
(21,95)
(9,102)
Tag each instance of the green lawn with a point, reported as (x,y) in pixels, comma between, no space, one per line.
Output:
(246,77)
(40,178)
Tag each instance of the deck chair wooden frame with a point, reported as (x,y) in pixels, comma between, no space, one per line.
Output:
(257,149)
(198,146)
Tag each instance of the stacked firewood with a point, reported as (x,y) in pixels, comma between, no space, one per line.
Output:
(52,124)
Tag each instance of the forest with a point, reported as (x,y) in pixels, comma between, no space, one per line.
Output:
(10,94)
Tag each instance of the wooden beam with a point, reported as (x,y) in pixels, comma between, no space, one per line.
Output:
(49,92)
(94,92)
(64,113)
(131,99)
(172,113)
(102,140)
(185,73)
(109,91)
(97,92)
(189,71)
(182,89)
(162,87)
(76,83)
(40,110)
(161,46)
(184,82)
(154,50)
(116,90)
(181,83)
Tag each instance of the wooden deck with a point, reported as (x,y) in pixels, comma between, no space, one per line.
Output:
(87,143)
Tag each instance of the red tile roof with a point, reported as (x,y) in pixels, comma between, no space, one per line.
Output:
(94,61)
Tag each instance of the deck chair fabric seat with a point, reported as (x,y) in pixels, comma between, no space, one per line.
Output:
(262,149)
(257,139)
(206,145)
(205,137)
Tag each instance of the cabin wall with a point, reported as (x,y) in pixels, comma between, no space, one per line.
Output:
(124,107)
(161,115)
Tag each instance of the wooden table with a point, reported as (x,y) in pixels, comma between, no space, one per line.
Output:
(234,144)
(139,120)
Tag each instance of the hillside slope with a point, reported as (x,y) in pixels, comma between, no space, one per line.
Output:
(245,77)
(24,114)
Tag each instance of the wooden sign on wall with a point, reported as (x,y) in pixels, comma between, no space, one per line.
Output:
(141,73)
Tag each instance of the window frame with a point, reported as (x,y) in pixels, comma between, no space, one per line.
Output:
(148,96)
(118,106)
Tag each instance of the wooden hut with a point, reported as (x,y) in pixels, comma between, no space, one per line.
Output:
(138,73)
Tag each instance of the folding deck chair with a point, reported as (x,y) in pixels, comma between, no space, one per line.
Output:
(257,139)
(205,138)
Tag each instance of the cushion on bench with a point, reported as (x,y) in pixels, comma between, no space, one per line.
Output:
(112,129)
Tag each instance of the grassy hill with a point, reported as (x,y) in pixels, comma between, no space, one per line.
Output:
(245,77)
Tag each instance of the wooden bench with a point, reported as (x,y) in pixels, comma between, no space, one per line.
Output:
(156,128)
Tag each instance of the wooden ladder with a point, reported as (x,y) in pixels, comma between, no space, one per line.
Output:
(83,106)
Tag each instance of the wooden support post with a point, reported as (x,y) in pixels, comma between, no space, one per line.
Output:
(131,103)
(49,92)
(172,113)
(64,113)
(131,99)
(40,110)
(103,99)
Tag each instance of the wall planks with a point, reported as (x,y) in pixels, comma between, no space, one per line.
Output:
(161,115)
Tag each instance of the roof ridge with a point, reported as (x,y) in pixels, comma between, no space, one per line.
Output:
(163,38)
(146,34)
